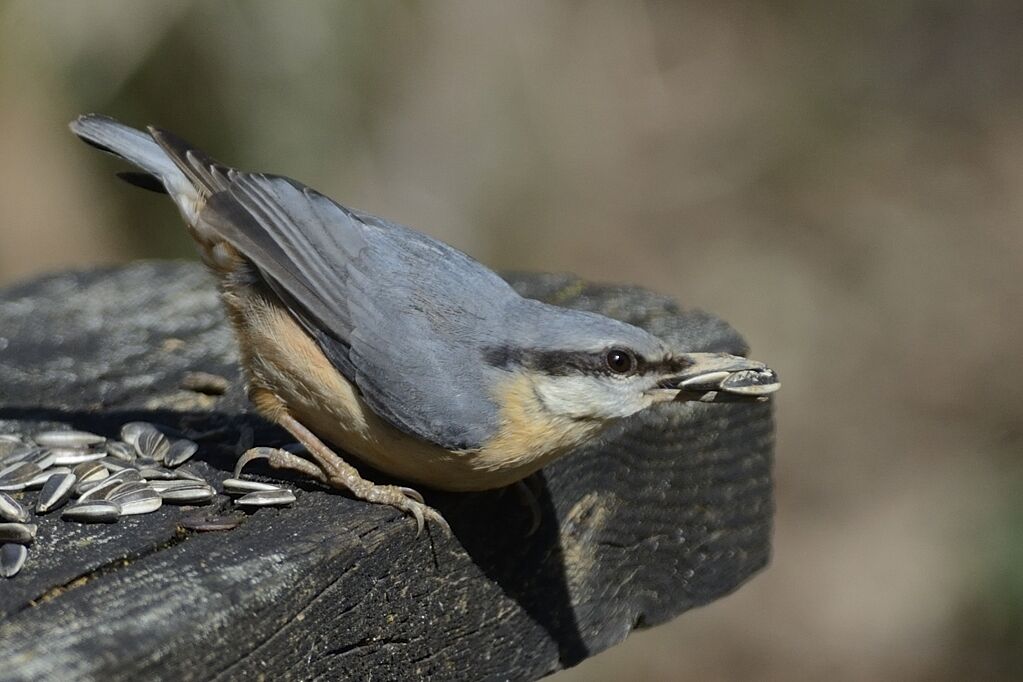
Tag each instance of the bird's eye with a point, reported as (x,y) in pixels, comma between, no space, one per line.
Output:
(620,361)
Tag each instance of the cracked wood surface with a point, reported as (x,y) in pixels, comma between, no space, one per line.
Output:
(671,510)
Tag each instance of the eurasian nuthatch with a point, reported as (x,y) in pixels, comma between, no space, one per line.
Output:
(400,349)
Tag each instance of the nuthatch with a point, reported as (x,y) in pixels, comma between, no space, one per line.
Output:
(400,349)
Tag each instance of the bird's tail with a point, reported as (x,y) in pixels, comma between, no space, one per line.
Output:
(160,173)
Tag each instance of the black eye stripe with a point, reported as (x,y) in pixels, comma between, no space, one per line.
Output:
(566,363)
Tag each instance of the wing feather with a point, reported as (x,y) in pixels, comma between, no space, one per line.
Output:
(394,310)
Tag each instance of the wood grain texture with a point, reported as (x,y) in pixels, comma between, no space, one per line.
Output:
(671,510)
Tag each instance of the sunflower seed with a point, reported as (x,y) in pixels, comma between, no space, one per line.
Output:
(185,492)
(188,474)
(55,492)
(11,509)
(98,489)
(131,431)
(19,476)
(121,450)
(97,511)
(152,444)
(20,533)
(9,448)
(10,438)
(124,488)
(68,439)
(157,474)
(126,476)
(44,459)
(267,498)
(86,488)
(88,472)
(18,471)
(167,484)
(138,501)
(215,523)
(12,558)
(241,486)
(114,465)
(180,451)
(40,479)
(66,456)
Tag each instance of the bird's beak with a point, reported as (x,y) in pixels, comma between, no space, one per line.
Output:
(714,377)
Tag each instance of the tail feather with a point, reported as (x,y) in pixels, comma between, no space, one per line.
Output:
(200,168)
(134,146)
(139,148)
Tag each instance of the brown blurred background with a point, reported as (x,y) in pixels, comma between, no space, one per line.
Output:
(841,181)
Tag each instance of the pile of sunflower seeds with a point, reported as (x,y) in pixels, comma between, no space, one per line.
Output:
(97,480)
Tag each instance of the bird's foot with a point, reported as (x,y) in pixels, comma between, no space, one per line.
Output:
(326,466)
(400,497)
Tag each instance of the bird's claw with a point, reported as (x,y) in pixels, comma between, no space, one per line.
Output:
(250,456)
(411,492)
(406,500)
(279,459)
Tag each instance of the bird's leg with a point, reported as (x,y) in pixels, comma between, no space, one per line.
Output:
(326,466)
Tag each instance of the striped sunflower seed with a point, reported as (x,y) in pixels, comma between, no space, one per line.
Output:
(19,470)
(185,492)
(267,498)
(188,474)
(20,533)
(40,479)
(99,489)
(157,473)
(55,492)
(19,476)
(152,444)
(93,511)
(15,452)
(11,509)
(114,465)
(131,431)
(68,439)
(88,472)
(241,486)
(12,558)
(71,456)
(141,501)
(124,488)
(180,452)
(121,450)
(44,459)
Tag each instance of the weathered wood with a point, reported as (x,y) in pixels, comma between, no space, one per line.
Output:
(672,510)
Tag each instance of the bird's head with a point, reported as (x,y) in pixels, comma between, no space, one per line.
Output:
(587,367)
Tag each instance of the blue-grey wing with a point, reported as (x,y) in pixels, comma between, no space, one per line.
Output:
(398,313)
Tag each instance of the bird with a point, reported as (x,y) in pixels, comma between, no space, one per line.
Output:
(364,337)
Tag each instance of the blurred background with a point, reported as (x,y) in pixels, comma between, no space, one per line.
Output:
(841,181)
